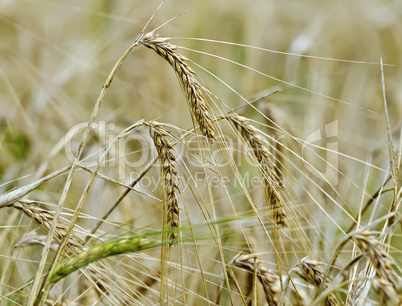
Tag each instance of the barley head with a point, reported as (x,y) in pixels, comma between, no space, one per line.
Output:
(266,278)
(311,271)
(269,170)
(378,257)
(187,79)
(170,177)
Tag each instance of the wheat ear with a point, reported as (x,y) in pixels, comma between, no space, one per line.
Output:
(268,168)
(186,76)
(45,218)
(98,252)
(311,271)
(169,177)
(388,295)
(356,289)
(378,257)
(266,278)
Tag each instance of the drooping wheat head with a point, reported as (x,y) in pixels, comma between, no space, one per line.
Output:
(266,278)
(311,271)
(273,181)
(388,295)
(170,182)
(45,218)
(188,81)
(378,257)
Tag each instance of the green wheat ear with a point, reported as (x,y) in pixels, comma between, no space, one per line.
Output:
(98,252)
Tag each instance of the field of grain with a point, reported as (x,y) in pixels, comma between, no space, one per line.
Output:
(214,153)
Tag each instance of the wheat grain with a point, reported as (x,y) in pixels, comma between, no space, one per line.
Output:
(273,180)
(186,76)
(170,179)
(266,278)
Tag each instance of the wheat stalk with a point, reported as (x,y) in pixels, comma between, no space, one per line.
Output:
(266,278)
(169,177)
(98,252)
(186,76)
(273,181)
(63,302)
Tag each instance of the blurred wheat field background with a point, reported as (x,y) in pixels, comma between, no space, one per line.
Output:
(294,201)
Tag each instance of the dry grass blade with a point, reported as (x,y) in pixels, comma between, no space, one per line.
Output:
(63,302)
(186,76)
(391,150)
(378,257)
(12,196)
(36,285)
(266,277)
(170,179)
(98,252)
(273,180)
(311,272)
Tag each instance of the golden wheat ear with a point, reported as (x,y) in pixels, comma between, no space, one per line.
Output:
(266,278)
(378,257)
(44,218)
(273,182)
(170,182)
(187,79)
(311,271)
